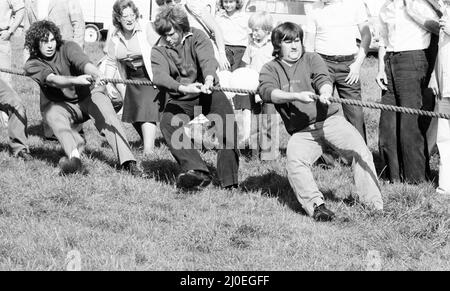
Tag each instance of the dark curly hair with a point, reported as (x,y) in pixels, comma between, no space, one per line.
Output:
(171,16)
(118,8)
(40,31)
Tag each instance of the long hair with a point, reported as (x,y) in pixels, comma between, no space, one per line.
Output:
(118,8)
(171,17)
(283,32)
(38,32)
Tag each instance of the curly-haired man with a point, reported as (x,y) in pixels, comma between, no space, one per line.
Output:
(64,73)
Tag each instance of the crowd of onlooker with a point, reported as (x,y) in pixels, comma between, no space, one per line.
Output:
(184,52)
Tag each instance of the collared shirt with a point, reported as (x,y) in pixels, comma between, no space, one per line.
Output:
(7,9)
(235,28)
(257,55)
(131,47)
(399,32)
(336,26)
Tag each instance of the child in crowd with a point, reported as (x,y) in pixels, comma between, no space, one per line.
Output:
(258,53)
(233,22)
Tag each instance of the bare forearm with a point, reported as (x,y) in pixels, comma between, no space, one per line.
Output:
(381,55)
(61,82)
(326,89)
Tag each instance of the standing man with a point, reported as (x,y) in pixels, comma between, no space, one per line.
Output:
(403,75)
(17,121)
(68,17)
(11,16)
(332,32)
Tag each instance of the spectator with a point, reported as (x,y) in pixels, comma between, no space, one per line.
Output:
(233,22)
(403,75)
(185,68)
(290,81)
(11,16)
(258,53)
(129,50)
(331,33)
(64,74)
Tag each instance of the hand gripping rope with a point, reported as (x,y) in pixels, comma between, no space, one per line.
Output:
(370,105)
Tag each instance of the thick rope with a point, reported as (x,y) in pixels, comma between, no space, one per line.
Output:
(358,103)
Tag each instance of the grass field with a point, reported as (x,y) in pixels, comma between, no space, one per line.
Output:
(118,222)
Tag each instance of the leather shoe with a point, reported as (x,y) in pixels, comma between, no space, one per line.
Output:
(321,213)
(193,180)
(70,166)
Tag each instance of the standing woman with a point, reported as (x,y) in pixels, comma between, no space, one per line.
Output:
(129,50)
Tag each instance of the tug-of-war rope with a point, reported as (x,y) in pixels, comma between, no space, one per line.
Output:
(358,103)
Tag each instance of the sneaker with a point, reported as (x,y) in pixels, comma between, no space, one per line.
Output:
(24,155)
(132,168)
(193,180)
(70,166)
(321,213)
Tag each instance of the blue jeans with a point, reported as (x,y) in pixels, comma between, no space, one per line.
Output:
(17,123)
(306,147)
(402,137)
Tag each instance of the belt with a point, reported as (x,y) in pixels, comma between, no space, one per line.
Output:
(347,58)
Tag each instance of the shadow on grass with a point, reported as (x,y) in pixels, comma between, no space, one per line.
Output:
(162,170)
(35,130)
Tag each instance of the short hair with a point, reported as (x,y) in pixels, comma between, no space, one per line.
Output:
(239,4)
(118,8)
(171,17)
(283,32)
(261,19)
(40,31)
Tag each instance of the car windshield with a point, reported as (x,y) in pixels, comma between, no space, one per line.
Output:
(276,6)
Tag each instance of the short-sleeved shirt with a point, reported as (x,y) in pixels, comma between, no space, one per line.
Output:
(235,28)
(7,9)
(256,56)
(69,60)
(336,26)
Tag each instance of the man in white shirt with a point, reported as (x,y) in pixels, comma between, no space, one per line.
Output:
(331,32)
(403,75)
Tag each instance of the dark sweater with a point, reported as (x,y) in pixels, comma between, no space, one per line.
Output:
(69,60)
(310,73)
(192,61)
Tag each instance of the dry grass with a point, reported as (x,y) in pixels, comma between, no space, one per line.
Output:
(118,222)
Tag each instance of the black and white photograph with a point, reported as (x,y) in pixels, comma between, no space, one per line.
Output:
(242,138)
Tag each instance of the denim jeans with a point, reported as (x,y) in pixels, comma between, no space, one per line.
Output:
(17,123)
(402,137)
(305,148)
(355,115)
(217,109)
